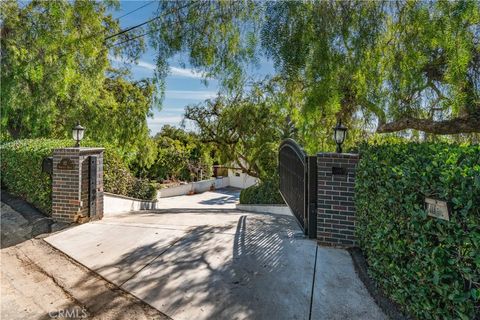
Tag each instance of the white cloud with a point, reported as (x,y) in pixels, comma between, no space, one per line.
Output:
(146,65)
(189,94)
(174,71)
(164,119)
(155,124)
(186,73)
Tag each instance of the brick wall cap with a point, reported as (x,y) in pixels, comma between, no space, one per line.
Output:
(337,155)
(80,150)
(91,150)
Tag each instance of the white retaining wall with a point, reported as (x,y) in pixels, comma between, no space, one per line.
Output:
(241,180)
(114,204)
(196,187)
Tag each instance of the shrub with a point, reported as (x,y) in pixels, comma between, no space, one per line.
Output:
(21,169)
(266,192)
(143,189)
(429,266)
(118,179)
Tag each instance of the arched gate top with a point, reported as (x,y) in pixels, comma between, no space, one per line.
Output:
(293,145)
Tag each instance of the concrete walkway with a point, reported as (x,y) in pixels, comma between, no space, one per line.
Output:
(220,263)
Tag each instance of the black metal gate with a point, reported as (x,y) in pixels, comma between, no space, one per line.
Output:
(298,184)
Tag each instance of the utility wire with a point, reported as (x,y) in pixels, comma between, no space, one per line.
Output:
(133,38)
(135,10)
(146,22)
(130,29)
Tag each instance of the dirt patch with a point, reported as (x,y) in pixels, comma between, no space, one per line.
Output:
(20,221)
(39,282)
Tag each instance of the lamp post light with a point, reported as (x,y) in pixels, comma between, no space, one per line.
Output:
(339,134)
(77,134)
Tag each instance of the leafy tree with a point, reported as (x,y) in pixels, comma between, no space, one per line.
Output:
(246,128)
(214,36)
(126,105)
(403,64)
(55,72)
(412,64)
(180,156)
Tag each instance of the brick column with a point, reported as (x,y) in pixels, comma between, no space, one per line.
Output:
(335,203)
(70,185)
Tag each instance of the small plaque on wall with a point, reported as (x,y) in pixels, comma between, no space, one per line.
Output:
(437,208)
(339,171)
(65,164)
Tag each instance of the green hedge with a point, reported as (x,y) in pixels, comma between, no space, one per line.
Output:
(266,192)
(429,266)
(21,169)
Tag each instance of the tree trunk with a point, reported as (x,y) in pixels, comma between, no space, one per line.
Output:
(468,124)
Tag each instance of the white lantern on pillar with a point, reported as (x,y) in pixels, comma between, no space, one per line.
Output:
(339,134)
(77,134)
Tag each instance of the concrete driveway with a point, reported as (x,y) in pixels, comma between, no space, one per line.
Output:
(220,263)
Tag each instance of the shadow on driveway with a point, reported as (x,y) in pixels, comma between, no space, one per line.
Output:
(258,269)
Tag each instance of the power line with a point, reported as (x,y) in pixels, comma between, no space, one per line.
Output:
(135,10)
(143,34)
(129,29)
(133,38)
(146,22)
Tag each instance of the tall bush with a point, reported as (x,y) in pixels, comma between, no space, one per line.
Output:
(21,172)
(181,155)
(429,266)
(21,168)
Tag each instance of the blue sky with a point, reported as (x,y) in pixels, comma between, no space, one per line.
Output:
(183,86)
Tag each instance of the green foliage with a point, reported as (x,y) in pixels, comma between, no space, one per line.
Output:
(388,60)
(143,189)
(429,266)
(55,72)
(180,155)
(118,179)
(266,192)
(246,128)
(21,169)
(362,61)
(125,106)
(215,36)
(21,172)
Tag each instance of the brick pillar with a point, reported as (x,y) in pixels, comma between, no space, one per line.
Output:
(335,203)
(70,184)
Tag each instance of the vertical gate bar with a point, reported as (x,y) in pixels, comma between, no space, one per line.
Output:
(312,196)
(305,197)
(92,187)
